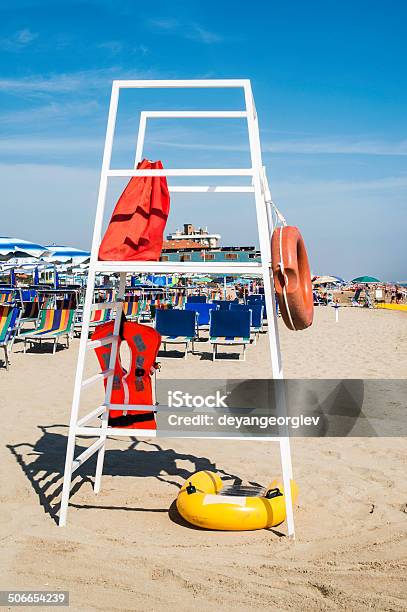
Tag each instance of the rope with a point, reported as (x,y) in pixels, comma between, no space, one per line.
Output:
(281,266)
(279,216)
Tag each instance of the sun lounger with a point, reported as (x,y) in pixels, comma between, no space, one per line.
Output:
(54,324)
(229,327)
(203,312)
(256,316)
(9,320)
(178,300)
(176,327)
(356,297)
(29,313)
(97,317)
(131,307)
(161,306)
(196,299)
(6,296)
(224,304)
(318,301)
(258,298)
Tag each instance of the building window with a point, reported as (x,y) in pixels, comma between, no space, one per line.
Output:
(164,258)
(185,257)
(230,255)
(208,256)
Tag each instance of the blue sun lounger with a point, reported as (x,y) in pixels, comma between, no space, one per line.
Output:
(229,327)
(203,313)
(196,299)
(225,304)
(176,327)
(256,299)
(256,319)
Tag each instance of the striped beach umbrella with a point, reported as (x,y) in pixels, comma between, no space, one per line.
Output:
(65,254)
(322,280)
(17,249)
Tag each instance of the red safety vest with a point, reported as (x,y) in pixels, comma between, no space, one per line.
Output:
(134,386)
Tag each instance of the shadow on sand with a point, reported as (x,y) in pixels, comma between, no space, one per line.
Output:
(43,464)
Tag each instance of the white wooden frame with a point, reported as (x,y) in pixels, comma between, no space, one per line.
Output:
(259,187)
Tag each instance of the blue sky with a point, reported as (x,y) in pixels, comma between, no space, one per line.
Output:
(330,89)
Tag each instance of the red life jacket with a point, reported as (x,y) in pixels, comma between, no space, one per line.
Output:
(134,386)
(137,225)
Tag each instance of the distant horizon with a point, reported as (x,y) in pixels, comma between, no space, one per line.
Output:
(323,273)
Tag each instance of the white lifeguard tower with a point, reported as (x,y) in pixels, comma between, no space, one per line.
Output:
(82,425)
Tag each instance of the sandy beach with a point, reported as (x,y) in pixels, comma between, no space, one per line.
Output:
(126,549)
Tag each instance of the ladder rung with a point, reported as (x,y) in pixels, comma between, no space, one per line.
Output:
(86,454)
(99,376)
(92,344)
(163,267)
(135,407)
(152,433)
(91,415)
(211,188)
(182,172)
(115,431)
(97,412)
(195,114)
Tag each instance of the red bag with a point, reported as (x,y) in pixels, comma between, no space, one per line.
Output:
(137,225)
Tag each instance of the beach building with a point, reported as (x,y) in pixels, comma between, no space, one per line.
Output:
(199,245)
(199,235)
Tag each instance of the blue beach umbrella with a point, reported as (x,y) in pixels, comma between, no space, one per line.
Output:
(65,254)
(16,248)
(36,279)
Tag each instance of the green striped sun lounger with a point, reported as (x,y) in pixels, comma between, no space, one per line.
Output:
(54,324)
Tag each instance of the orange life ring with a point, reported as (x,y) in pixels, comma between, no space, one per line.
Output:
(292,277)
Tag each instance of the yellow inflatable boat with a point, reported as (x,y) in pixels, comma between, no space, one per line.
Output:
(402,307)
(205,502)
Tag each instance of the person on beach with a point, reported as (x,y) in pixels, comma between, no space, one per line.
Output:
(399,295)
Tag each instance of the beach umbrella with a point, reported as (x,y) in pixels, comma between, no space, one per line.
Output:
(17,249)
(56,279)
(366,279)
(63,254)
(36,279)
(161,280)
(157,280)
(243,281)
(203,279)
(12,277)
(322,280)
